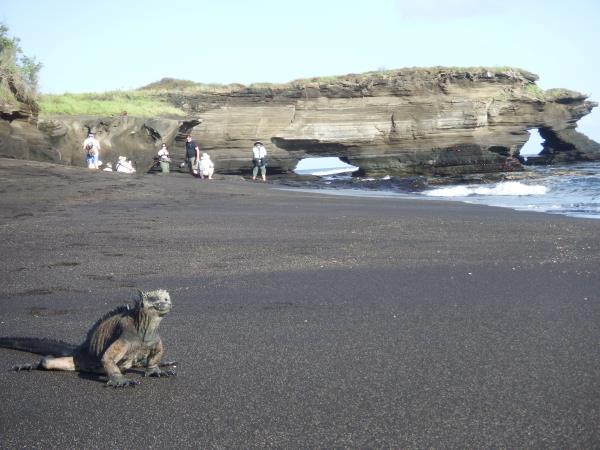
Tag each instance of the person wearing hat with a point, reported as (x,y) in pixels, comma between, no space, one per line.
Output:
(164,158)
(206,167)
(259,160)
(91,147)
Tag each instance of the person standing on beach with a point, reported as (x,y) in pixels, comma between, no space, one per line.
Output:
(164,158)
(91,147)
(192,154)
(259,160)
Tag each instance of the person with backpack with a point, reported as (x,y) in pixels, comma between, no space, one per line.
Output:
(259,160)
(91,147)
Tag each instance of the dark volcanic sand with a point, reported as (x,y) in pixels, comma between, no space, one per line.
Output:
(300,320)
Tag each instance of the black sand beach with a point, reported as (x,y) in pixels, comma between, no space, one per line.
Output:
(300,320)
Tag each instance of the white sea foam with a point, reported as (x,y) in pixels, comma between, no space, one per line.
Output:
(508,188)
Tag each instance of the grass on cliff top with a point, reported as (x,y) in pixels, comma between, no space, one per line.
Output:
(455,70)
(147,101)
(135,103)
(187,86)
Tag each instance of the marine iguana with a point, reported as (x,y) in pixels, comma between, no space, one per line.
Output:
(126,337)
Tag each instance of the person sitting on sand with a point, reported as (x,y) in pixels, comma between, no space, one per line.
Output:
(259,160)
(206,167)
(124,166)
(91,147)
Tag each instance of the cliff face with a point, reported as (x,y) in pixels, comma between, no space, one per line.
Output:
(137,138)
(414,121)
(19,135)
(437,121)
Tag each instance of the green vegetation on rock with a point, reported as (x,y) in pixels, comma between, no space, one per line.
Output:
(535,91)
(18,72)
(135,103)
(559,94)
(187,86)
(176,85)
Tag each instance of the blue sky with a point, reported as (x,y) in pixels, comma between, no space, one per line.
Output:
(109,45)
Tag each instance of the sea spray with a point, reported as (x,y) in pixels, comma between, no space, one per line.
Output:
(506,188)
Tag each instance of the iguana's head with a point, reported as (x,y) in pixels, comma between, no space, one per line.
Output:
(155,303)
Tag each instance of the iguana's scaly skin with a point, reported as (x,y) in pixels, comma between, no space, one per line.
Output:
(125,338)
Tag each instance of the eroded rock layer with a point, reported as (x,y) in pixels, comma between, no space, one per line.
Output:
(436,121)
(414,121)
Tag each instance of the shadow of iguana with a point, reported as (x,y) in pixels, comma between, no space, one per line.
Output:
(125,338)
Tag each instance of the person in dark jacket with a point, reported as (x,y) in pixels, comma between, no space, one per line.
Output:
(192,154)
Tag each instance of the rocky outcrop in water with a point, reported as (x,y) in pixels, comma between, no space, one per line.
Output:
(437,121)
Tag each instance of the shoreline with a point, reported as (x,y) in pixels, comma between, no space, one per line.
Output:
(300,320)
(569,190)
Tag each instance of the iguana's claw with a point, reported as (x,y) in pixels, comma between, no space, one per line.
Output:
(121,382)
(172,364)
(20,367)
(157,372)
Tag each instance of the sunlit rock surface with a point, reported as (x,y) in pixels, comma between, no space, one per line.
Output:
(425,121)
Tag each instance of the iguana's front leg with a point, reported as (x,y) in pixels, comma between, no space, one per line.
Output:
(110,359)
(153,369)
(117,381)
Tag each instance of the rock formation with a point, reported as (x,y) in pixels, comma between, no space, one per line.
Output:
(19,135)
(436,121)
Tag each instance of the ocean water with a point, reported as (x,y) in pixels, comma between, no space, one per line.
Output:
(571,190)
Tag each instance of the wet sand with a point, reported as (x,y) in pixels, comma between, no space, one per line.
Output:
(300,320)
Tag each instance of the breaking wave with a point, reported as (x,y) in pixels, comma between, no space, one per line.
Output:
(507,188)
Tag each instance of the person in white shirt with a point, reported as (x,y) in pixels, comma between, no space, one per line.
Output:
(91,147)
(206,167)
(163,153)
(164,158)
(259,160)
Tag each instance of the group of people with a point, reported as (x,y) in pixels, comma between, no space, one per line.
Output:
(202,166)
(199,165)
(91,147)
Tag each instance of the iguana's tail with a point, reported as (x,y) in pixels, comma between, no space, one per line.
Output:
(40,346)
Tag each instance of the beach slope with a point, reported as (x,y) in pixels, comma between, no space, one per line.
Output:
(299,319)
